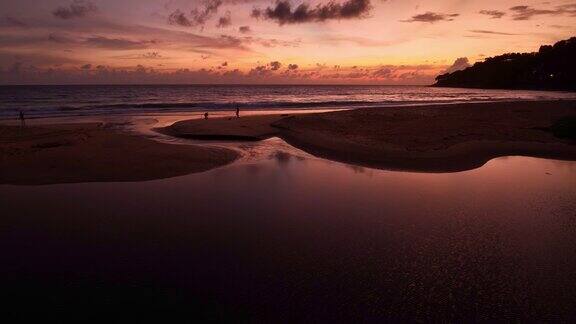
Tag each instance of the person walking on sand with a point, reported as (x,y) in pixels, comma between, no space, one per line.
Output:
(237,111)
(205,115)
(22,119)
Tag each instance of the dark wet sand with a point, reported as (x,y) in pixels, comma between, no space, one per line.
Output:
(443,138)
(93,153)
(290,241)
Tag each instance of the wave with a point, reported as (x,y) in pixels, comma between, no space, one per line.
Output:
(250,105)
(73,101)
(131,108)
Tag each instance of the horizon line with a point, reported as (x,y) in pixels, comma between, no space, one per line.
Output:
(214,84)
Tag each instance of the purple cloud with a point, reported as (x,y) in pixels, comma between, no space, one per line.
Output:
(244,29)
(494,14)
(431,17)
(225,20)
(198,16)
(283,13)
(77,9)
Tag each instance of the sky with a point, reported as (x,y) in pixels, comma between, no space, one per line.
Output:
(266,41)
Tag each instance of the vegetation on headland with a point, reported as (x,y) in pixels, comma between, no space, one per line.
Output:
(553,67)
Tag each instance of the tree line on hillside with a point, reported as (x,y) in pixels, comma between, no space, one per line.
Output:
(553,67)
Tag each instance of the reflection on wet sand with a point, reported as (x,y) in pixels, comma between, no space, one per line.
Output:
(288,237)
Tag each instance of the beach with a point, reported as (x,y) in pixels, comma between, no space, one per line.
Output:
(292,216)
(289,237)
(95,152)
(435,138)
(323,161)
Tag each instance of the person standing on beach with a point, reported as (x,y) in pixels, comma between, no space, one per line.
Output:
(237,111)
(205,115)
(22,119)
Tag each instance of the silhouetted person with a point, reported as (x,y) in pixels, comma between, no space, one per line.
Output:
(205,115)
(22,119)
(237,111)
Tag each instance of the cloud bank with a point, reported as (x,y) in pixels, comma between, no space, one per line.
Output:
(527,12)
(274,72)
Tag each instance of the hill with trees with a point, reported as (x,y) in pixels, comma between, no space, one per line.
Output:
(553,67)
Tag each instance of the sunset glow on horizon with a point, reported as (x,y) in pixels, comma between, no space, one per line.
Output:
(264,41)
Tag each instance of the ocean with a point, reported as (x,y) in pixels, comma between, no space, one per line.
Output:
(87,100)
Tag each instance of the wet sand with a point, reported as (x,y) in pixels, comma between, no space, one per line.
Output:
(96,152)
(443,138)
(297,240)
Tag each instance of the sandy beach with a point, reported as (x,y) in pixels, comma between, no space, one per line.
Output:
(67,153)
(441,138)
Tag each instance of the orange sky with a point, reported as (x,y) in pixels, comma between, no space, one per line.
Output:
(261,41)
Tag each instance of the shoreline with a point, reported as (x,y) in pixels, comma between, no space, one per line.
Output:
(276,110)
(433,138)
